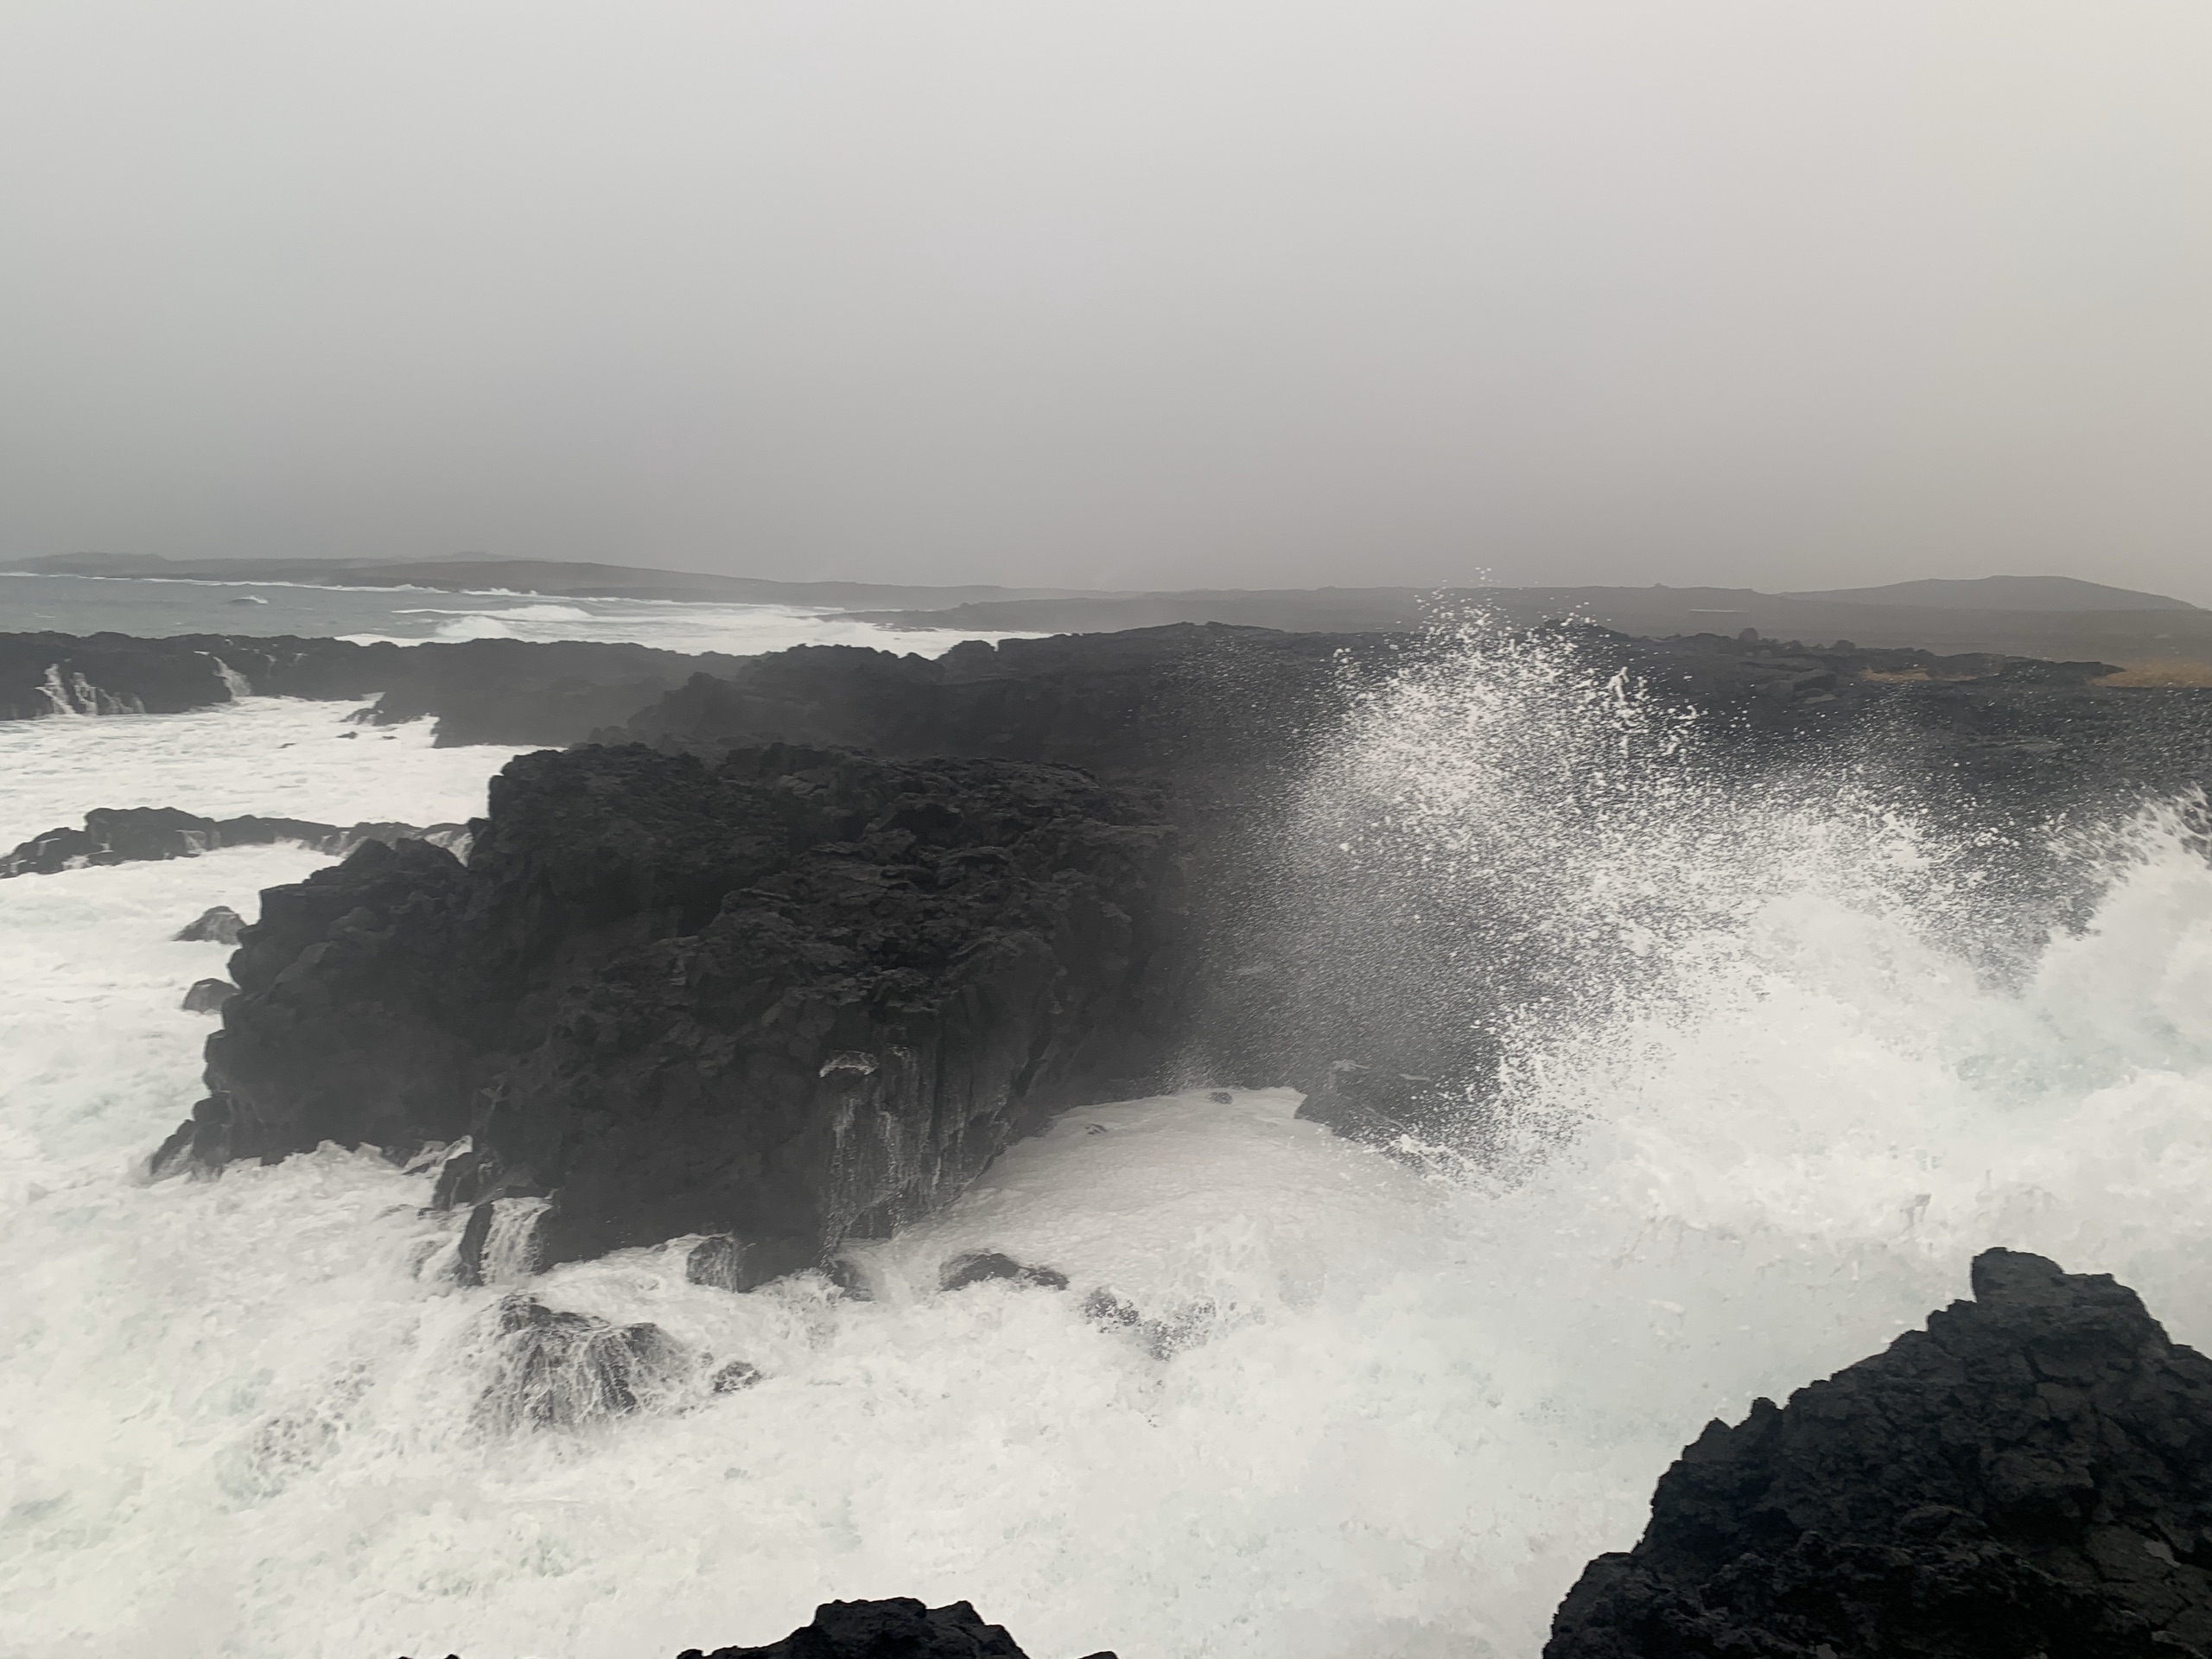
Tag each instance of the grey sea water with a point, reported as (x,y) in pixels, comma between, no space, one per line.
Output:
(152,608)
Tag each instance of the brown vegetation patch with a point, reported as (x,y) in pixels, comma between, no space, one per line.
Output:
(2161,671)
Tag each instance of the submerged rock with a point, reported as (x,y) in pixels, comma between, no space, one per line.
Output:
(733,1374)
(977,1267)
(2030,1474)
(207,995)
(896,1628)
(559,1370)
(218,925)
(718,1262)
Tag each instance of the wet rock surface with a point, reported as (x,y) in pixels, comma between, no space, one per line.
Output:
(218,924)
(1208,702)
(897,1628)
(481,691)
(787,998)
(207,995)
(553,1368)
(715,980)
(141,834)
(2029,1474)
(980,1266)
(1333,985)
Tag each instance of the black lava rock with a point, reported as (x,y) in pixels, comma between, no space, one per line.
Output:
(718,1262)
(135,834)
(980,1266)
(788,998)
(207,995)
(1314,964)
(219,926)
(553,1368)
(897,1628)
(2030,1475)
(481,690)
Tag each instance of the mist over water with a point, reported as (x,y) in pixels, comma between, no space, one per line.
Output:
(1759,1061)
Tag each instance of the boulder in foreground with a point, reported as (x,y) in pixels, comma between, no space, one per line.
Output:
(2032,1474)
(896,1628)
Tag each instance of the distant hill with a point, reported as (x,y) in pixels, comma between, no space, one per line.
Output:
(2003,593)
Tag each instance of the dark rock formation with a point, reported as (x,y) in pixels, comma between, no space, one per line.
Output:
(1223,708)
(2032,1474)
(1310,968)
(558,1370)
(733,1376)
(1188,702)
(895,1627)
(716,981)
(718,1262)
(789,998)
(980,1266)
(481,690)
(207,995)
(899,1627)
(131,833)
(219,925)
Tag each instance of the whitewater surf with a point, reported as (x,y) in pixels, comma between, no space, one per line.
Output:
(1785,1056)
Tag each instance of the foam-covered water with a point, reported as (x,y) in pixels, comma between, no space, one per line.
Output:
(1359,1410)
(276,756)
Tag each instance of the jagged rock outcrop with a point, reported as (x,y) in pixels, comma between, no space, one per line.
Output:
(1222,707)
(1194,703)
(1326,977)
(218,924)
(554,1368)
(131,833)
(980,1266)
(786,998)
(207,995)
(614,969)
(896,1628)
(2032,1474)
(481,690)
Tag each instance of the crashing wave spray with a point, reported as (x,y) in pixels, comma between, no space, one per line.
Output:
(76,696)
(1516,849)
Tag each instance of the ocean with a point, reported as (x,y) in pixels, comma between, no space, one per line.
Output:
(153,609)
(1818,1057)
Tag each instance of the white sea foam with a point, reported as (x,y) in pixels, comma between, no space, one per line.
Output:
(278,757)
(736,629)
(1365,1413)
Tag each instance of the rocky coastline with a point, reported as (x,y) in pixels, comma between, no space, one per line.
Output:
(130,835)
(509,691)
(793,952)
(790,997)
(785,956)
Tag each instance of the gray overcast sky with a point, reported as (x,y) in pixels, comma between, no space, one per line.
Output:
(1766,292)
